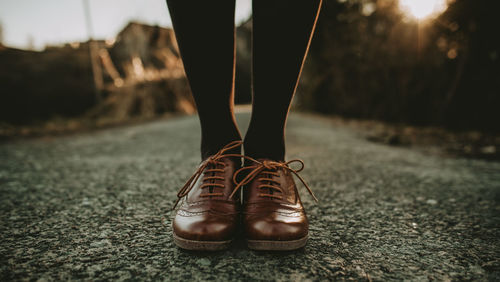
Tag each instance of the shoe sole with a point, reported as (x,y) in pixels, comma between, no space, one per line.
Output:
(201,245)
(262,245)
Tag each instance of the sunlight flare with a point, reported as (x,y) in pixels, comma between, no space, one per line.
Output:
(423,9)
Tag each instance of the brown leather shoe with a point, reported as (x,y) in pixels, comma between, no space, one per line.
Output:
(273,215)
(207,218)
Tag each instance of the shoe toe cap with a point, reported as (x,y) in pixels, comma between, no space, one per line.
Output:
(274,228)
(204,228)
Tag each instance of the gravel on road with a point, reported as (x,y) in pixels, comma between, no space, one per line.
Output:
(96,206)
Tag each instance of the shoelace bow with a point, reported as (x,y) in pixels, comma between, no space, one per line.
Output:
(269,168)
(212,163)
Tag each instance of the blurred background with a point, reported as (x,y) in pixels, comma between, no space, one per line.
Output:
(402,71)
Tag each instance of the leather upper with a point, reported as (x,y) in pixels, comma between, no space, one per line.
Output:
(280,217)
(209,218)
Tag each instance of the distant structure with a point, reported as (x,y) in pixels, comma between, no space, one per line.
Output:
(142,52)
(141,68)
(139,74)
(1,34)
(31,43)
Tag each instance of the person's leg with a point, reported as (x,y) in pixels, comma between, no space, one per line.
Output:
(282,30)
(205,35)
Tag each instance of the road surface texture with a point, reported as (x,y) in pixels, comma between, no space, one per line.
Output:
(96,206)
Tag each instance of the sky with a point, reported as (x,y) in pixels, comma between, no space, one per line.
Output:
(49,22)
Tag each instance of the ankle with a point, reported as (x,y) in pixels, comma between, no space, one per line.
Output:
(264,149)
(212,147)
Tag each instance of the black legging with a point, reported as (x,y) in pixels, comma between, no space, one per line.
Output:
(205,31)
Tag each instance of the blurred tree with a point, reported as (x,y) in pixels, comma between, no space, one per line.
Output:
(367,60)
(243,80)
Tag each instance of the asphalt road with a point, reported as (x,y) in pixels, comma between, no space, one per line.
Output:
(96,206)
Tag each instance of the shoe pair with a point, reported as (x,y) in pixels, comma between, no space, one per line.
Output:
(211,210)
